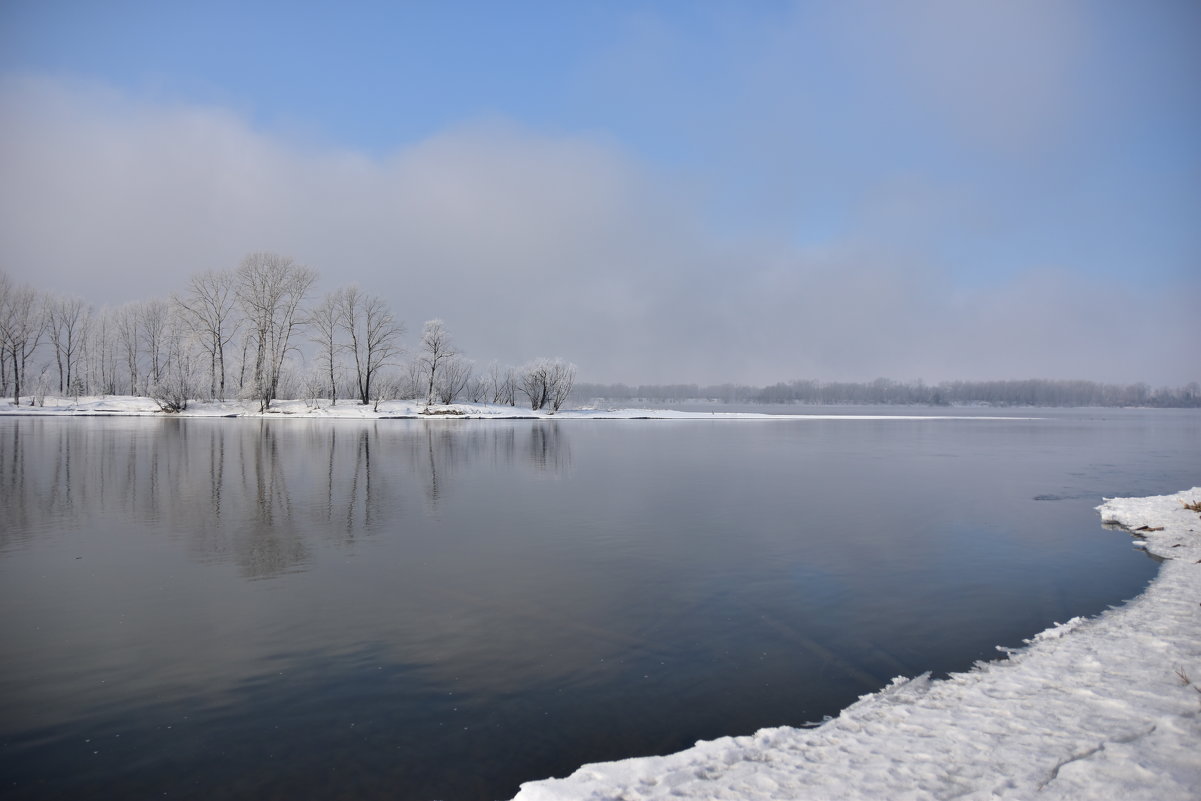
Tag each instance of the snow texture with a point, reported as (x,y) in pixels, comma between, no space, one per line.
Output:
(129,405)
(1103,708)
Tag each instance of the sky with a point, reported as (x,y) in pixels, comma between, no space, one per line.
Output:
(658,191)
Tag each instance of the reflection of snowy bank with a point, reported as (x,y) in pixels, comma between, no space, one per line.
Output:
(1092,709)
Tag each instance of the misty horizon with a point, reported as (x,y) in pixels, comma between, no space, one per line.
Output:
(305,361)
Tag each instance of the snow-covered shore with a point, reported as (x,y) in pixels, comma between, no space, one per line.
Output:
(134,406)
(1103,708)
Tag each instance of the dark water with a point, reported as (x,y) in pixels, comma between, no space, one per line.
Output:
(301,609)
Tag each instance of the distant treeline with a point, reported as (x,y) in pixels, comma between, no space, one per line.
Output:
(1030,392)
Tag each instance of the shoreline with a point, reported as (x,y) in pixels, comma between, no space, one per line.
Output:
(1096,708)
(138,406)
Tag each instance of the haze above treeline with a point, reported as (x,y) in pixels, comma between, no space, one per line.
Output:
(262,332)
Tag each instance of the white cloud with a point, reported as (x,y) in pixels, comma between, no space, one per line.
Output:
(535,245)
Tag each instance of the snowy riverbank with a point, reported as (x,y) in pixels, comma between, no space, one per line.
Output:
(1092,709)
(133,406)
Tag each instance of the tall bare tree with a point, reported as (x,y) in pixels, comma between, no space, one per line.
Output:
(324,323)
(125,324)
(67,321)
(270,289)
(436,350)
(561,377)
(373,333)
(502,384)
(22,322)
(101,354)
(208,307)
(154,322)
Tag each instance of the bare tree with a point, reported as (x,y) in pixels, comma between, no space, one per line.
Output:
(532,383)
(178,372)
(324,322)
(125,323)
(502,384)
(561,378)
(67,321)
(102,353)
(453,377)
(244,357)
(477,389)
(385,387)
(208,307)
(436,350)
(411,379)
(374,336)
(270,289)
(22,322)
(153,321)
(547,382)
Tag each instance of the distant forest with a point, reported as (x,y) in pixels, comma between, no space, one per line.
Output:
(1029,392)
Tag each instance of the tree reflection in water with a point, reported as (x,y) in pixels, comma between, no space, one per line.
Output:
(257,493)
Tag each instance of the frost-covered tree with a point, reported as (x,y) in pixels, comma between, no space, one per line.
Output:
(436,350)
(453,377)
(324,325)
(270,289)
(154,323)
(179,374)
(547,382)
(561,378)
(385,387)
(477,389)
(502,384)
(101,357)
(67,321)
(22,323)
(209,308)
(127,329)
(533,383)
(411,379)
(373,336)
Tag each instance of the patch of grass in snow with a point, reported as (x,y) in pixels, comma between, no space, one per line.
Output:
(1195,506)
(1185,680)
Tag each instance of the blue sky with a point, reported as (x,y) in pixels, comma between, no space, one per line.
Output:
(771,190)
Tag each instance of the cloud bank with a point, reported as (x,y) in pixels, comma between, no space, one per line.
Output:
(529,244)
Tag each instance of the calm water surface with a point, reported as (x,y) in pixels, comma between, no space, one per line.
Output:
(299,609)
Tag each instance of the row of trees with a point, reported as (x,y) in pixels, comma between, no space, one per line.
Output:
(252,333)
(1030,392)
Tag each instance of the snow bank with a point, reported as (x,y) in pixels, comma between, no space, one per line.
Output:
(1091,709)
(129,405)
